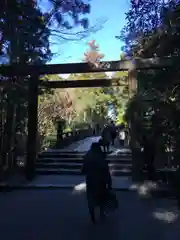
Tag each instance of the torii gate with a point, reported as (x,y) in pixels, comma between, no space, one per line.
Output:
(35,71)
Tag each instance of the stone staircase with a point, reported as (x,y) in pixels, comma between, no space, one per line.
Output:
(70,163)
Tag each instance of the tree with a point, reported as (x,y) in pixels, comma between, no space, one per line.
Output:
(142,19)
(93,55)
(120,95)
(65,16)
(116,95)
(94,104)
(57,106)
(91,103)
(156,34)
(68,20)
(25,41)
(25,33)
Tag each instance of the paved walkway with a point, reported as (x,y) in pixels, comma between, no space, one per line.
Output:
(60,214)
(66,181)
(84,146)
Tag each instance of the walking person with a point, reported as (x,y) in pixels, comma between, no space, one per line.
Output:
(98,180)
(105,139)
(113,132)
(97,129)
(126,140)
(121,137)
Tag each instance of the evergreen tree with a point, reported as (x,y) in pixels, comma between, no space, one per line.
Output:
(153,30)
(25,40)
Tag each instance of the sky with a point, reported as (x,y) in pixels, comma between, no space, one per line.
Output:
(114,13)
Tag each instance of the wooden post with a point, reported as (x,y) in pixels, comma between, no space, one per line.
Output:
(132,75)
(135,149)
(59,133)
(32,127)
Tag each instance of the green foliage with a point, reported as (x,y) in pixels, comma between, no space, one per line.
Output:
(54,106)
(153,30)
(91,103)
(25,39)
(120,94)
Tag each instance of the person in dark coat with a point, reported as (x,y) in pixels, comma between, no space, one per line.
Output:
(98,179)
(97,128)
(149,155)
(106,139)
(113,132)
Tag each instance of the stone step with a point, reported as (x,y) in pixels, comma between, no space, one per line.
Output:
(71,153)
(160,173)
(79,160)
(64,165)
(43,171)
(77,152)
(79,156)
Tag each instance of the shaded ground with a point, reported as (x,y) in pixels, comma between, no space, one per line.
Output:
(69,181)
(59,214)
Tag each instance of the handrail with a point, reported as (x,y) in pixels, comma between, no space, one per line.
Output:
(71,136)
(67,138)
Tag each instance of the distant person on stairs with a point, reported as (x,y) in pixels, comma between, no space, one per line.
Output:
(97,129)
(105,139)
(122,137)
(113,132)
(98,179)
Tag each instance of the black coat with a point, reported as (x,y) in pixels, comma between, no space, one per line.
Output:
(96,170)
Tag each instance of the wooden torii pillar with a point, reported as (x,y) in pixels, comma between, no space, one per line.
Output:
(32,127)
(133,88)
(132,82)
